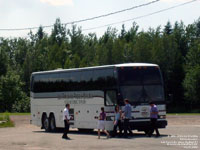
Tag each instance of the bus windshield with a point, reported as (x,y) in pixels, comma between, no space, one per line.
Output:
(141,84)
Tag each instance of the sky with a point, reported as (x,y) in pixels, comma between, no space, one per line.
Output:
(33,13)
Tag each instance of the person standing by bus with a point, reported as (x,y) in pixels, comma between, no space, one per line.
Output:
(101,123)
(66,119)
(127,117)
(117,122)
(154,117)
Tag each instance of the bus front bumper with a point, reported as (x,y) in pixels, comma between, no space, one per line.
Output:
(142,125)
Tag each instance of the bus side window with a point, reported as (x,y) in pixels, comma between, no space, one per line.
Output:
(110,97)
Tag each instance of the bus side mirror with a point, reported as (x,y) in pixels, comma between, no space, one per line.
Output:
(119,99)
(170,98)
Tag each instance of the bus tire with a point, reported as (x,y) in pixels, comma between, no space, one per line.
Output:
(52,123)
(45,122)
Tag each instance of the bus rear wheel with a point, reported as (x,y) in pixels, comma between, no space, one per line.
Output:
(45,122)
(52,123)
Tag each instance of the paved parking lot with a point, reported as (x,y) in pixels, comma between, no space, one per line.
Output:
(183,132)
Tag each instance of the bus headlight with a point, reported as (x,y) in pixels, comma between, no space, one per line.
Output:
(163,117)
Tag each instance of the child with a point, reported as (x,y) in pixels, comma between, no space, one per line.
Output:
(101,123)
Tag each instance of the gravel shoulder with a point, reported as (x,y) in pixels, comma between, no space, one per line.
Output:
(25,136)
(21,120)
(183,119)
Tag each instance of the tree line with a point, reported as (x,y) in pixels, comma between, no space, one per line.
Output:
(175,48)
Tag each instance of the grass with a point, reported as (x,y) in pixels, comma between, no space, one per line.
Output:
(15,114)
(8,123)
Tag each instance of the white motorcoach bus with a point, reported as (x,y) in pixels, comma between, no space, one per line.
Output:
(88,89)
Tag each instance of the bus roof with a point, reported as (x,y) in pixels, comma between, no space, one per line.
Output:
(96,67)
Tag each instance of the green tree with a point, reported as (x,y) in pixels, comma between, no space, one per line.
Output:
(191,82)
(58,46)
(58,34)
(123,32)
(76,41)
(3,62)
(90,49)
(11,91)
(168,28)
(40,33)
(142,48)
(131,35)
(192,86)
(180,37)
(197,23)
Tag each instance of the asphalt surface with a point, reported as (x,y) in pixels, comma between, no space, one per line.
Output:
(183,132)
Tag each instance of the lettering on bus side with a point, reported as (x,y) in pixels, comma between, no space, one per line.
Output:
(75,101)
(75,96)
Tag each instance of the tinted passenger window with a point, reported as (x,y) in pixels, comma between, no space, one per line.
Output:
(54,83)
(75,80)
(86,76)
(75,76)
(86,80)
(104,78)
(41,83)
(64,81)
(98,79)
